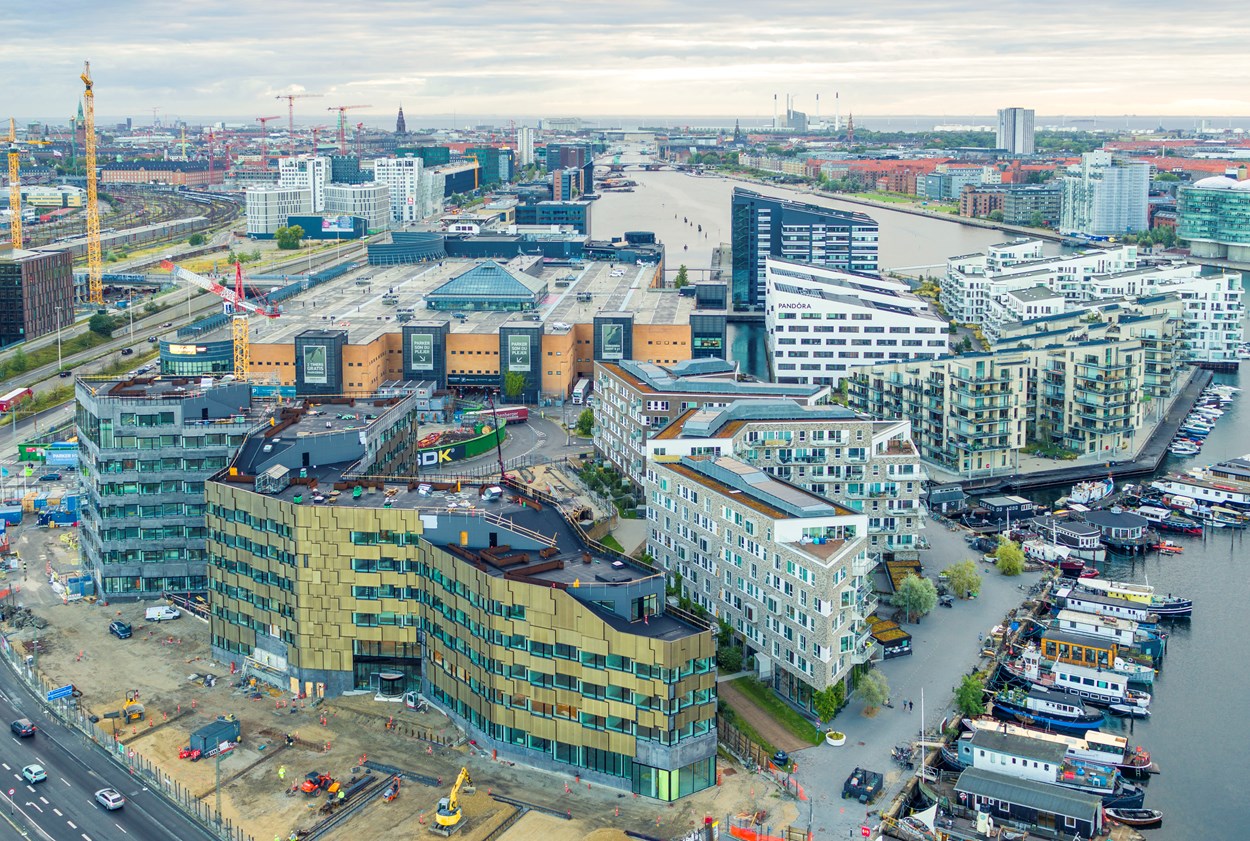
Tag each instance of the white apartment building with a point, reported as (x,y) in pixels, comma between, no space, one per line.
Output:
(1105,196)
(306,173)
(269,207)
(871,467)
(370,201)
(1020,305)
(1015,130)
(823,322)
(416,191)
(785,568)
(525,145)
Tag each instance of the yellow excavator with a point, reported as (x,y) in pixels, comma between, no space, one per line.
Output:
(449,815)
(132,710)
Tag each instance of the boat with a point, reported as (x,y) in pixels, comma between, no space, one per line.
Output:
(1054,555)
(1046,709)
(1144,594)
(1139,818)
(1101,687)
(1180,525)
(1167,547)
(1184,449)
(1129,711)
(1131,761)
(1083,541)
(1083,493)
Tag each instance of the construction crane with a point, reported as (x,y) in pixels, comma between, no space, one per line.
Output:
(290,113)
(360,129)
(264,140)
(316,131)
(343,109)
(237,306)
(15,183)
(448,816)
(95,266)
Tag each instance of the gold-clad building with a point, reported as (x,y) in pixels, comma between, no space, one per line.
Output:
(494,606)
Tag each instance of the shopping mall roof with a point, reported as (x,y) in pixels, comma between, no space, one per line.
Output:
(487,283)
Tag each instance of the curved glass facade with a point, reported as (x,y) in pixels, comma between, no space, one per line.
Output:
(191,358)
(1215,215)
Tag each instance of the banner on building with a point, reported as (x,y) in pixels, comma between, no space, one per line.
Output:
(518,352)
(422,351)
(613,341)
(315,364)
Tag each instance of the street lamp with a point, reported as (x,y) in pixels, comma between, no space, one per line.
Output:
(58,340)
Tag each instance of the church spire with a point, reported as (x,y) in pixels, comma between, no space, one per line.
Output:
(400,126)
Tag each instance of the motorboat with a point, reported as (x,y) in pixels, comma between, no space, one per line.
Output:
(1045,708)
(1137,818)
(1129,711)
(1184,449)
(1083,493)
(1167,547)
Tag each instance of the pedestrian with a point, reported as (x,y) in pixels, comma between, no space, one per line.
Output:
(913,706)
(282,772)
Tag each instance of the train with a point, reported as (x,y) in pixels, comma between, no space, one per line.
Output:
(511,414)
(14,397)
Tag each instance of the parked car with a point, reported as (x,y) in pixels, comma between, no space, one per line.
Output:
(23,727)
(120,629)
(126,351)
(66,373)
(34,774)
(50,477)
(161,613)
(110,798)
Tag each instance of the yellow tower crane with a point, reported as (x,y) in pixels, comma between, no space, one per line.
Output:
(15,182)
(237,306)
(95,266)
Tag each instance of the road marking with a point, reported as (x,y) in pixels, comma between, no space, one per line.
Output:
(6,765)
(71,824)
(122,828)
(34,806)
(43,800)
(58,813)
(62,779)
(86,836)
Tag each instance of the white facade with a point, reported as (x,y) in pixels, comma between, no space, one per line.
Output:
(1105,196)
(416,190)
(823,322)
(371,201)
(1211,320)
(1015,130)
(525,146)
(306,173)
(1020,305)
(269,207)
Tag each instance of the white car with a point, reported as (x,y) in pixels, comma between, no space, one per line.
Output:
(110,798)
(34,774)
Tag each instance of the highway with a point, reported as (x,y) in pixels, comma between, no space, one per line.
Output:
(63,807)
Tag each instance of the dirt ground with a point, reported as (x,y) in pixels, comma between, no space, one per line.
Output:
(160,660)
(767,726)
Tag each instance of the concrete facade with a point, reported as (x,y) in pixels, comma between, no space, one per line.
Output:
(371,202)
(268,208)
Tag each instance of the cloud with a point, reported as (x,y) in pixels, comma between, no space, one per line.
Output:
(645,57)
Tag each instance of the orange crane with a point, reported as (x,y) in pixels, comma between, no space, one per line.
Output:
(95,265)
(237,305)
(360,129)
(264,140)
(343,109)
(290,112)
(15,184)
(316,130)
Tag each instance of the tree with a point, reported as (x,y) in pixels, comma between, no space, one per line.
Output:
(1037,220)
(1010,557)
(963,578)
(514,383)
(288,237)
(829,700)
(585,422)
(874,690)
(995,216)
(682,279)
(915,595)
(102,325)
(729,659)
(970,696)
(196,239)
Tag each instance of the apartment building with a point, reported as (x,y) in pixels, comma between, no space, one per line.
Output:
(307,172)
(371,202)
(416,191)
(635,400)
(268,208)
(543,649)
(146,448)
(1015,130)
(1213,217)
(786,569)
(870,467)
(822,322)
(1105,195)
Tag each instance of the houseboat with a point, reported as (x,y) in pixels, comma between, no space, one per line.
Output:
(1083,541)
(1122,531)
(1206,487)
(1074,598)
(1053,555)
(1046,709)
(1168,605)
(1097,686)
(1134,641)
(999,798)
(1094,746)
(1084,493)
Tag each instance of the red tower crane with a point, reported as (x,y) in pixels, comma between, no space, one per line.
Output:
(360,129)
(264,140)
(236,304)
(343,109)
(290,113)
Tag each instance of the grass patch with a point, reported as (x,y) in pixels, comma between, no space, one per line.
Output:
(612,543)
(21,361)
(767,700)
(745,728)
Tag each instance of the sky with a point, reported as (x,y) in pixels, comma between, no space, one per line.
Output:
(631,57)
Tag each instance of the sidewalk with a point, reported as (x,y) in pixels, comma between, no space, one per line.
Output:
(945,648)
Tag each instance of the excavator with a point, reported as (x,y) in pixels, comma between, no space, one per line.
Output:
(448,817)
(132,710)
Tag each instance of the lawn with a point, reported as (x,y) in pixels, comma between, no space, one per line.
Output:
(778,709)
(612,543)
(727,712)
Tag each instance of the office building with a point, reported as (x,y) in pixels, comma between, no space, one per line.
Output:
(495,163)
(823,322)
(371,202)
(345,169)
(558,156)
(635,400)
(571,215)
(268,208)
(1035,205)
(459,177)
(870,467)
(786,569)
(429,155)
(36,293)
(542,648)
(146,448)
(1213,216)
(566,184)
(766,227)
(949,180)
(170,173)
(311,173)
(416,190)
(1015,131)
(1105,196)
(525,145)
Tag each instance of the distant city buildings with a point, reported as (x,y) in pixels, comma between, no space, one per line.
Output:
(416,191)
(311,173)
(525,145)
(371,202)
(1015,131)
(268,208)
(1213,216)
(1105,195)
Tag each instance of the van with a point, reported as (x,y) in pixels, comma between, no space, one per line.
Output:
(160,614)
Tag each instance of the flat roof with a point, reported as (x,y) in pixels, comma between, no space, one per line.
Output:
(647,376)
(755,488)
(1055,800)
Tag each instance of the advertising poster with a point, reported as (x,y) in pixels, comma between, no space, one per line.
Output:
(613,341)
(315,364)
(422,352)
(518,352)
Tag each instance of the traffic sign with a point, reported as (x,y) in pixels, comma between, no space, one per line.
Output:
(61,692)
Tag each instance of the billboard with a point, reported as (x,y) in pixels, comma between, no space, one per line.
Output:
(709,343)
(187,350)
(315,364)
(613,341)
(337,225)
(421,352)
(518,352)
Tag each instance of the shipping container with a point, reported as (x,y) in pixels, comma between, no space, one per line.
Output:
(209,738)
(11,514)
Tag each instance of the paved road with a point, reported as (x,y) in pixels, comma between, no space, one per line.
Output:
(63,808)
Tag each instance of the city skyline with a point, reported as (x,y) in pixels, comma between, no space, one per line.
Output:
(647,58)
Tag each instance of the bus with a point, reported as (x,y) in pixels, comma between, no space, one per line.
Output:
(14,397)
(581,391)
(511,414)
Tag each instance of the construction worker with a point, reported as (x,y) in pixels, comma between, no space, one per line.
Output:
(281,772)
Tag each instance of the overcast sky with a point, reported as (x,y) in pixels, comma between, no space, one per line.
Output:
(643,57)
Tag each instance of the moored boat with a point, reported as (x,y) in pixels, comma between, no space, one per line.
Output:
(1101,687)
(1045,709)
(1139,818)
(1083,493)
(1132,761)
